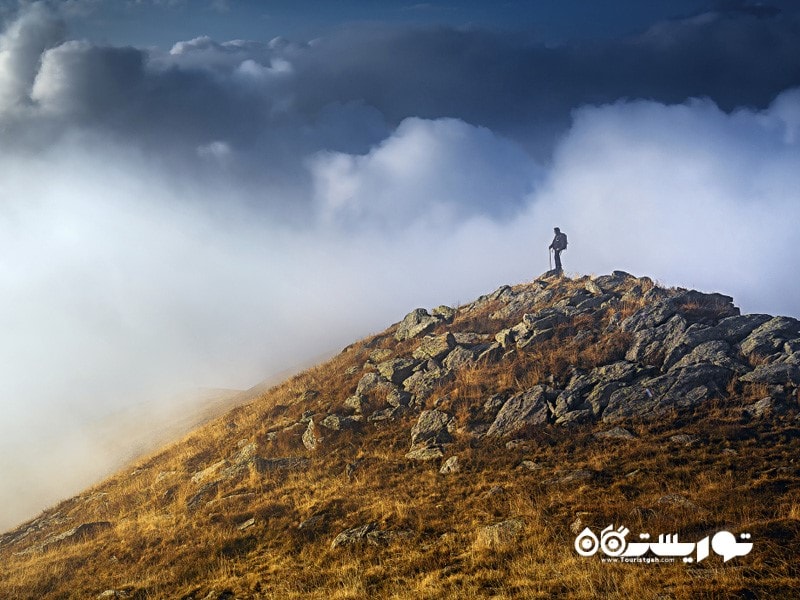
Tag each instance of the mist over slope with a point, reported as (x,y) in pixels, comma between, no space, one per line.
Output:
(186,217)
(458,454)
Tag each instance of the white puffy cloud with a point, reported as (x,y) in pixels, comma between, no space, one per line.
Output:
(438,172)
(686,193)
(21,48)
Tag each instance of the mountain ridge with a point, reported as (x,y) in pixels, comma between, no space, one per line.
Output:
(515,411)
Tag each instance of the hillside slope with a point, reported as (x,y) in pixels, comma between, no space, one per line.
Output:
(458,454)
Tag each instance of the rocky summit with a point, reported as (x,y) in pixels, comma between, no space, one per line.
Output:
(457,454)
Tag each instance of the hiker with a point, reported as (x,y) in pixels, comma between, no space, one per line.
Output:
(558,245)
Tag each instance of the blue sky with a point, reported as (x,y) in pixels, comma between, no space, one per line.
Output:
(552,21)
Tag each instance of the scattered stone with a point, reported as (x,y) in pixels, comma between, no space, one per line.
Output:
(435,347)
(367,534)
(425,453)
(353,536)
(774,373)
(114,594)
(337,422)
(530,465)
(373,382)
(415,323)
(397,398)
(577,476)
(445,312)
(396,370)
(451,465)
(528,408)
(310,438)
(385,414)
(763,408)
(82,532)
(460,358)
(500,535)
(677,501)
(287,463)
(203,494)
(431,428)
(208,472)
(246,525)
(617,433)
(355,403)
(517,444)
(312,522)
(682,438)
(380,355)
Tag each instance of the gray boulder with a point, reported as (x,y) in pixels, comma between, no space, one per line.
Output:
(396,370)
(451,465)
(431,429)
(687,303)
(527,408)
(373,383)
(435,347)
(680,388)
(422,383)
(774,373)
(616,433)
(356,535)
(460,358)
(762,408)
(770,337)
(337,422)
(415,323)
(734,329)
(446,313)
(425,453)
(715,352)
(397,398)
(310,437)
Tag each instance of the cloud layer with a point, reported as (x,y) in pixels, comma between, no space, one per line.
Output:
(212,214)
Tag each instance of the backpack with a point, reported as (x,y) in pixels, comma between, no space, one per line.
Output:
(561,242)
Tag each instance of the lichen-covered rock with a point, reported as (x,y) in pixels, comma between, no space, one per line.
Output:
(446,313)
(451,465)
(679,388)
(527,408)
(337,422)
(373,382)
(425,453)
(770,337)
(431,428)
(415,323)
(311,438)
(397,370)
(435,347)
(774,373)
(460,358)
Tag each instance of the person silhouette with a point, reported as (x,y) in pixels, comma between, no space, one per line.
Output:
(558,245)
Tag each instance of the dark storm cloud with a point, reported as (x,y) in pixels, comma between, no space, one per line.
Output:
(267,100)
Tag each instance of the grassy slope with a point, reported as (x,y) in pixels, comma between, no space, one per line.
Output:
(738,475)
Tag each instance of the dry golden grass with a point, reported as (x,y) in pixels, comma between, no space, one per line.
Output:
(737,475)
